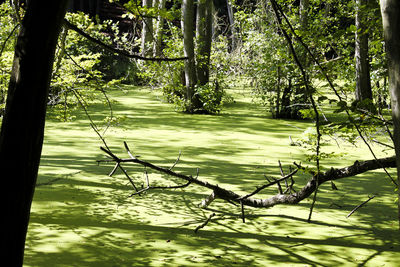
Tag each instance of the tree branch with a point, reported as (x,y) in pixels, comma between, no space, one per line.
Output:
(359,206)
(8,38)
(115,50)
(358,167)
(269,184)
(205,223)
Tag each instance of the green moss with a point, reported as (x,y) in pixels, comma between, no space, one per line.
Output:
(82,217)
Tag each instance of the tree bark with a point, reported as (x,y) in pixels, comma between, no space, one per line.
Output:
(159,29)
(304,4)
(203,40)
(147,32)
(21,136)
(233,37)
(188,47)
(363,80)
(391,27)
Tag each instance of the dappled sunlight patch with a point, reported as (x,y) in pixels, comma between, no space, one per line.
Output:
(81,216)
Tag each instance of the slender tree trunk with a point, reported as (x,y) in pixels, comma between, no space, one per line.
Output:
(159,30)
(147,32)
(233,38)
(21,136)
(61,50)
(304,5)
(391,27)
(188,46)
(363,80)
(203,40)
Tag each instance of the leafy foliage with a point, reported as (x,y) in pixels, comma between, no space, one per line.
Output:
(82,70)
(170,77)
(8,31)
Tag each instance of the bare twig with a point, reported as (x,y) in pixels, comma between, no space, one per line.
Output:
(378,118)
(387,128)
(382,144)
(92,123)
(127,176)
(8,38)
(282,173)
(129,151)
(176,162)
(204,223)
(118,163)
(280,191)
(113,170)
(359,206)
(276,181)
(83,104)
(159,187)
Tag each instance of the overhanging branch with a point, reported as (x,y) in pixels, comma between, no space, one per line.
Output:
(115,50)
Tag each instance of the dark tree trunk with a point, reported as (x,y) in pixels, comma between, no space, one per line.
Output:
(233,39)
(363,80)
(188,47)
(21,136)
(284,111)
(203,40)
(391,26)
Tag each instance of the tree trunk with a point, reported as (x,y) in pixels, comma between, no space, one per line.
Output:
(203,40)
(301,96)
(391,26)
(304,4)
(363,80)
(233,38)
(147,32)
(21,136)
(188,47)
(159,29)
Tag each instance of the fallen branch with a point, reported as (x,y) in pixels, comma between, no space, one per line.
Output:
(358,167)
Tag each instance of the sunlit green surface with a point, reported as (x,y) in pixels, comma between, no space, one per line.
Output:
(82,217)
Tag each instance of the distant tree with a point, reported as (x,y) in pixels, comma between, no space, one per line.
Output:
(158,29)
(147,31)
(188,46)
(363,79)
(22,129)
(203,40)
